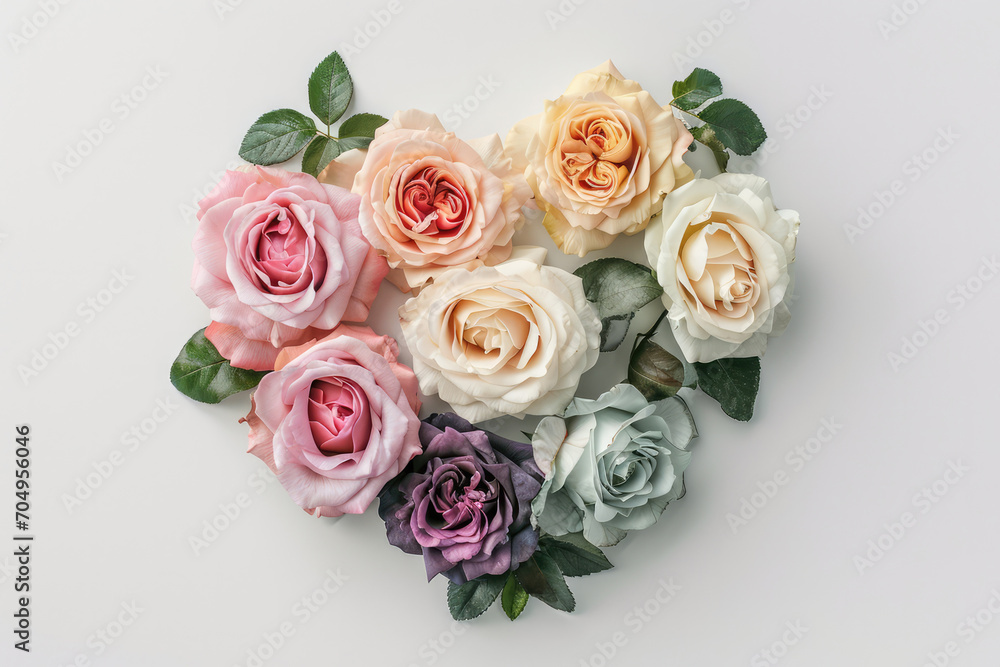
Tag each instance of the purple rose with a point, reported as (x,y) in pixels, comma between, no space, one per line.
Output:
(465,502)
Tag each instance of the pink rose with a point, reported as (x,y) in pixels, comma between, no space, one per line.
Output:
(280,259)
(430,201)
(336,420)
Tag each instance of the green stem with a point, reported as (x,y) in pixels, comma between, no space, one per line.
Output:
(652,330)
(690,113)
(715,153)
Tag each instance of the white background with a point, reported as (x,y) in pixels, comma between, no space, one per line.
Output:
(127,206)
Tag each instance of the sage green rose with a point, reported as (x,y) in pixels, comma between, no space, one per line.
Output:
(611,465)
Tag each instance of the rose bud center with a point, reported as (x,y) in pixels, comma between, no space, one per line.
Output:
(279,255)
(718,267)
(433,202)
(338,416)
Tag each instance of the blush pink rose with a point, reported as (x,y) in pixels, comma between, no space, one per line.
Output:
(336,420)
(280,259)
(431,201)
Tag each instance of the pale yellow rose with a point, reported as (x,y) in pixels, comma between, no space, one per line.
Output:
(600,158)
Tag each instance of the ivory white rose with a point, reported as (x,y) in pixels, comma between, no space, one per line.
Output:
(599,159)
(512,339)
(722,253)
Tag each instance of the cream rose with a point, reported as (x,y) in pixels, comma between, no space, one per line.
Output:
(512,339)
(722,252)
(430,201)
(600,158)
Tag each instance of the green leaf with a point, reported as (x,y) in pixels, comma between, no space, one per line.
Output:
(735,125)
(320,152)
(575,556)
(277,136)
(514,598)
(654,371)
(347,143)
(470,600)
(541,578)
(706,135)
(733,383)
(700,86)
(617,286)
(361,125)
(199,371)
(613,331)
(330,89)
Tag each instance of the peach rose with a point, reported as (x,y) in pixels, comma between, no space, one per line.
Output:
(600,158)
(430,201)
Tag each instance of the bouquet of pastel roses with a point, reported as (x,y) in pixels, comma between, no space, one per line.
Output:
(289,264)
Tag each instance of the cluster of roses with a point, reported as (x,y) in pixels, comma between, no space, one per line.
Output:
(286,261)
